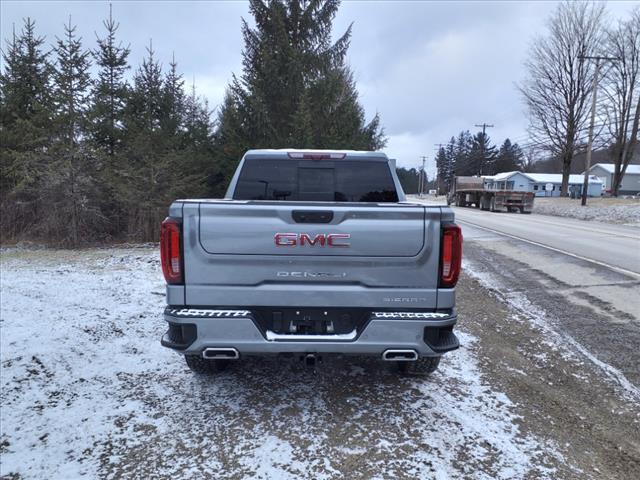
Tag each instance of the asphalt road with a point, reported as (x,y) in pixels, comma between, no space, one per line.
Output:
(617,246)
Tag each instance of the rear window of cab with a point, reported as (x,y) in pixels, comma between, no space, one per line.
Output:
(315,181)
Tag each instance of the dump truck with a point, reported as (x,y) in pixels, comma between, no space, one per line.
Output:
(478,192)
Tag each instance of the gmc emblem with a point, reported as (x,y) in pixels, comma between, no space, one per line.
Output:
(302,239)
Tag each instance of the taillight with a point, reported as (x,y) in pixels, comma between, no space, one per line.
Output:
(450,255)
(171,250)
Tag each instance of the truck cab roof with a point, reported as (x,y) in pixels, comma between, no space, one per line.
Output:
(305,153)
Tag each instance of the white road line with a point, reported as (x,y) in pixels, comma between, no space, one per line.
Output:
(558,250)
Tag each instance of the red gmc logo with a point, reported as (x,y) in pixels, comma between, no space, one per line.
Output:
(302,239)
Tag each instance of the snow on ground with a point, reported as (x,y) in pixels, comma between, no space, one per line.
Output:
(525,310)
(611,210)
(88,391)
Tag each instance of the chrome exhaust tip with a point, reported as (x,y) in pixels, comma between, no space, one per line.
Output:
(220,353)
(400,356)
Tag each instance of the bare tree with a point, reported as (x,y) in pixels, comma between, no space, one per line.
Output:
(622,91)
(529,159)
(559,83)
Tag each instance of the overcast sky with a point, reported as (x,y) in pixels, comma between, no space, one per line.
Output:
(430,69)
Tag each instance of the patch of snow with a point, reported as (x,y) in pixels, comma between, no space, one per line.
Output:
(87,390)
(622,214)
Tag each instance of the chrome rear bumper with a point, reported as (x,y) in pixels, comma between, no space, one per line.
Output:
(192,331)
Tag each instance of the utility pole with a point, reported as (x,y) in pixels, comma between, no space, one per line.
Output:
(484,139)
(438,147)
(596,75)
(422,177)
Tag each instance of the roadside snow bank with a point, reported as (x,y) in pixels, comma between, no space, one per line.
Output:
(87,390)
(598,209)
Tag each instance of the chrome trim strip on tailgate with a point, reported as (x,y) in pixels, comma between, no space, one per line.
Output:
(272,336)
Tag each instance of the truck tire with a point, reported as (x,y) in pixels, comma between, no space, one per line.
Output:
(422,366)
(200,365)
(492,204)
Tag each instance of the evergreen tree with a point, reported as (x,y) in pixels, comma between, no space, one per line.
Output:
(169,146)
(481,156)
(509,158)
(409,179)
(450,170)
(109,90)
(26,78)
(69,188)
(147,98)
(187,136)
(9,101)
(26,112)
(173,99)
(89,159)
(71,87)
(143,179)
(462,164)
(296,89)
(443,168)
(108,105)
(205,173)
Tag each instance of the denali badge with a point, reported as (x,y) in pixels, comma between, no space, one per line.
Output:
(311,274)
(302,239)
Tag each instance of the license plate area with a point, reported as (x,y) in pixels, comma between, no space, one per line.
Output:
(311,321)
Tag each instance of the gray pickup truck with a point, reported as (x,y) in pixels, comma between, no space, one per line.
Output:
(311,253)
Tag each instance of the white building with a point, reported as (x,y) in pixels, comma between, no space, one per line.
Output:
(630,184)
(542,184)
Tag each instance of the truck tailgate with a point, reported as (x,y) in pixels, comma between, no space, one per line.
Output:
(231,256)
(238,228)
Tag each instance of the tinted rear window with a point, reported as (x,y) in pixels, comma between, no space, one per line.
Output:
(316,181)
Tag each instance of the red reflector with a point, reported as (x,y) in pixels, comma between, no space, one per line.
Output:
(170,251)
(450,255)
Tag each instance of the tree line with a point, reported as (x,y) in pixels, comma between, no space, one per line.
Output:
(468,155)
(93,149)
(559,85)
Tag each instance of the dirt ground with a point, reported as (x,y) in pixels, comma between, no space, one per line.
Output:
(88,391)
(560,395)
